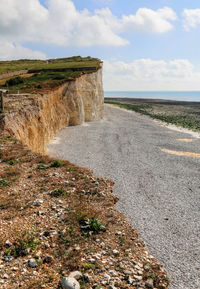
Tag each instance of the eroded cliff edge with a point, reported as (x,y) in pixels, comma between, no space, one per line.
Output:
(35,119)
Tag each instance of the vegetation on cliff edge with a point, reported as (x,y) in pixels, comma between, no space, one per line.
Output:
(44,74)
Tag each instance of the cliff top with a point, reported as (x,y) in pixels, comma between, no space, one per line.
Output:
(34,75)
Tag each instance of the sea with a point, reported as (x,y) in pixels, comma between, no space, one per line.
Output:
(165,95)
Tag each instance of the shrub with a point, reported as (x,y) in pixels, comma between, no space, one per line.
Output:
(4,183)
(42,166)
(14,81)
(58,193)
(91,225)
(56,164)
(25,240)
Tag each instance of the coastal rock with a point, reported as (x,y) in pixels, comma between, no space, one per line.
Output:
(76,274)
(70,283)
(32,263)
(8,243)
(149,283)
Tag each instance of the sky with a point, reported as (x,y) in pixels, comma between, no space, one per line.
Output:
(144,44)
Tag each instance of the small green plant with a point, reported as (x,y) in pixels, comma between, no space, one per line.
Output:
(166,278)
(151,275)
(4,183)
(4,205)
(42,166)
(70,169)
(91,225)
(58,192)
(24,244)
(56,164)
(87,266)
(11,162)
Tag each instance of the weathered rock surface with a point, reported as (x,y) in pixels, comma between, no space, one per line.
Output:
(72,103)
(70,283)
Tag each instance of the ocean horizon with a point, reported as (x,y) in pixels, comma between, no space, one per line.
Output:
(166,95)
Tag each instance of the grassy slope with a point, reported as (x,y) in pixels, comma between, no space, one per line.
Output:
(183,115)
(47,74)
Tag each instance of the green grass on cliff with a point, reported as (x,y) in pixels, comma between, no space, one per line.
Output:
(45,74)
(70,62)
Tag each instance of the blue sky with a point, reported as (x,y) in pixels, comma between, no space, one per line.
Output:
(145,45)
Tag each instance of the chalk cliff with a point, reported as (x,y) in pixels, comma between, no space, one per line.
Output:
(41,116)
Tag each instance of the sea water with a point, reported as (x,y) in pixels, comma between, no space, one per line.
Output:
(168,95)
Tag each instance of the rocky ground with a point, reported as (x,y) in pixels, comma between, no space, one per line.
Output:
(56,219)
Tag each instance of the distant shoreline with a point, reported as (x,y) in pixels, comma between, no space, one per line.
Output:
(185,96)
(154,100)
(184,114)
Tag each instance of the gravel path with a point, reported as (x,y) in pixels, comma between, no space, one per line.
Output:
(159,191)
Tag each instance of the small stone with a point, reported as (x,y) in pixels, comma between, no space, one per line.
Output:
(77,248)
(32,263)
(139,278)
(137,267)
(8,243)
(113,272)
(41,213)
(48,259)
(37,203)
(102,245)
(47,245)
(139,272)
(7,258)
(86,278)
(70,283)
(130,280)
(127,272)
(38,254)
(140,264)
(24,270)
(147,267)
(27,251)
(115,252)
(76,274)
(149,283)
(107,277)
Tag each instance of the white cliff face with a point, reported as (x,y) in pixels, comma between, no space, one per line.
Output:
(85,97)
(72,103)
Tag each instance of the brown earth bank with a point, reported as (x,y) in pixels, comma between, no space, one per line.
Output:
(57,218)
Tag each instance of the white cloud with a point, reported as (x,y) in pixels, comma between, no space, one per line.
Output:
(144,21)
(148,74)
(9,50)
(60,23)
(191,18)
